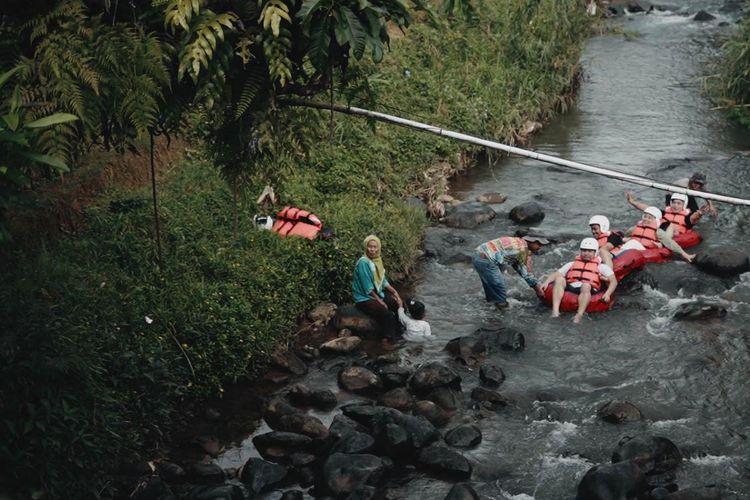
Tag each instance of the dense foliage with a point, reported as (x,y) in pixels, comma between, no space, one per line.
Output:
(734,74)
(101,352)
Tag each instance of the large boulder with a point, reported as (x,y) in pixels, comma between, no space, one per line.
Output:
(703,16)
(698,310)
(445,462)
(259,475)
(359,379)
(466,349)
(502,338)
(300,423)
(469,215)
(653,454)
(490,399)
(616,412)
(432,412)
(354,442)
(620,481)
(343,473)
(722,261)
(527,213)
(491,375)
(464,436)
(395,430)
(394,375)
(280,446)
(433,375)
(300,394)
(398,398)
(348,316)
(447,398)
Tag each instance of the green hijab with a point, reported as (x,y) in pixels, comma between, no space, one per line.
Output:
(377,260)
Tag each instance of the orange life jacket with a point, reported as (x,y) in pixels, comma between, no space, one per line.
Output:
(602,239)
(585,271)
(646,234)
(292,221)
(678,219)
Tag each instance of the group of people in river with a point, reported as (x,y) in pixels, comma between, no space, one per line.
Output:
(590,274)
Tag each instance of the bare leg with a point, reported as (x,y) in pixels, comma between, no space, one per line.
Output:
(583,302)
(557,295)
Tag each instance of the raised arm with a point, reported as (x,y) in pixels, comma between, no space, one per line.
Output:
(637,204)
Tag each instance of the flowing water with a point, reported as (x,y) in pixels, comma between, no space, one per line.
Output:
(640,110)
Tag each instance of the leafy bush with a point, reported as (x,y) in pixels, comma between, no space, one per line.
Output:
(733,88)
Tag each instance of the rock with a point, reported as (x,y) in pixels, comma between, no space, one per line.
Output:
(292,495)
(469,215)
(616,412)
(417,432)
(398,398)
(260,475)
(301,458)
(440,241)
(491,376)
(220,492)
(492,198)
(493,399)
(280,446)
(432,412)
(342,344)
(462,491)
(464,436)
(722,261)
(699,310)
(394,375)
(387,359)
(289,361)
(433,375)
(276,408)
(200,473)
(466,349)
(302,395)
(527,213)
(208,444)
(501,338)
(703,16)
(623,480)
(170,472)
(343,425)
(445,461)
(447,398)
(364,414)
(634,8)
(348,316)
(322,313)
(415,202)
(653,454)
(343,473)
(307,425)
(354,442)
(359,379)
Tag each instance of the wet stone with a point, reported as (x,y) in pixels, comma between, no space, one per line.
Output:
(279,446)
(722,261)
(446,398)
(703,16)
(302,395)
(491,376)
(527,213)
(653,454)
(492,198)
(398,398)
(493,398)
(289,361)
(445,461)
(342,345)
(419,430)
(433,375)
(464,436)
(343,473)
(348,316)
(394,375)
(303,424)
(208,444)
(343,425)
(359,379)
(616,412)
(462,491)
(275,409)
(354,442)
(699,310)
(259,475)
(609,481)
(466,349)
(432,412)
(469,215)
(501,338)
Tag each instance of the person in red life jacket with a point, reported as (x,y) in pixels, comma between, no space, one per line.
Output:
(491,258)
(291,221)
(372,293)
(653,231)
(584,276)
(609,241)
(676,211)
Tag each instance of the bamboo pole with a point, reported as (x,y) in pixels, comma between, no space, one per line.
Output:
(633,179)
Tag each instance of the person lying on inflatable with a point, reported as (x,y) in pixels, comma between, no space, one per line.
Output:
(609,241)
(583,276)
(653,232)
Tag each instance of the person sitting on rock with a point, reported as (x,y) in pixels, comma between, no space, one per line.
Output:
(491,258)
(373,295)
(609,241)
(697,182)
(583,276)
(653,232)
(416,329)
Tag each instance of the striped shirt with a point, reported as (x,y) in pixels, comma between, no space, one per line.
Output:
(511,251)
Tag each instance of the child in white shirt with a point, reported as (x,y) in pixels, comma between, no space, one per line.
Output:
(416,329)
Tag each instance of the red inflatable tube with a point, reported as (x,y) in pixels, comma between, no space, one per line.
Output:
(687,239)
(624,264)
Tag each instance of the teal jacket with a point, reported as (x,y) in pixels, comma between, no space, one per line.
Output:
(364,281)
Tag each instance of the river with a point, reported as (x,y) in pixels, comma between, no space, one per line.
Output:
(641,110)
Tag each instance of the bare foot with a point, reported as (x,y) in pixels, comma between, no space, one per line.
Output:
(690,257)
(554,315)
(577,318)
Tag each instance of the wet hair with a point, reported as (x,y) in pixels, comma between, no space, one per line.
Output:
(415,308)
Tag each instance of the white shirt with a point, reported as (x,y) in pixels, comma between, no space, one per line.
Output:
(604,270)
(417,330)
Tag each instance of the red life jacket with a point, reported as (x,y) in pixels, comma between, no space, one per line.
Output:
(292,221)
(678,219)
(584,271)
(602,239)
(646,234)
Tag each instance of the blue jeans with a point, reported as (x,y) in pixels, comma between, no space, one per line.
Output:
(492,279)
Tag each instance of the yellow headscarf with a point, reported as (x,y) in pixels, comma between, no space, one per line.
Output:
(377,260)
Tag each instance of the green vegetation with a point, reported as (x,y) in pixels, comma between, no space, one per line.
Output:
(102,350)
(732,87)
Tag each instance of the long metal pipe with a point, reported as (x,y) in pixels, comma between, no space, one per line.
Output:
(634,179)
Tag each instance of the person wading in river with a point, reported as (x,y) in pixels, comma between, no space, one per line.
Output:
(583,276)
(491,258)
(696,182)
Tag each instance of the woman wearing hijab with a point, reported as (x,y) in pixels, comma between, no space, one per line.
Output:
(369,287)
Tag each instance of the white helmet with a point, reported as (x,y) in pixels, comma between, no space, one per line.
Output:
(263,221)
(653,211)
(679,196)
(589,244)
(601,221)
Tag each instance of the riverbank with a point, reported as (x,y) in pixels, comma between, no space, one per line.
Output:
(106,352)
